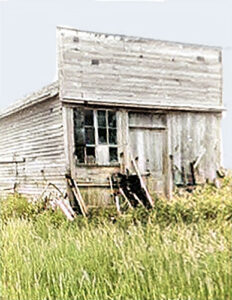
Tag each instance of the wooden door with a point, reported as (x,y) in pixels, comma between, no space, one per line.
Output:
(147,134)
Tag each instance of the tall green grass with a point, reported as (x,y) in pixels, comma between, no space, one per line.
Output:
(180,250)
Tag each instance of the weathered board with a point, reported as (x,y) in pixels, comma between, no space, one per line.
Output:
(32,148)
(192,134)
(148,145)
(105,68)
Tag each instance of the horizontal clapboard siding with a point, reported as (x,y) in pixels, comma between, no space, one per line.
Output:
(142,71)
(34,137)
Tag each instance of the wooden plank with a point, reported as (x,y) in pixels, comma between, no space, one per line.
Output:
(117,204)
(69,208)
(68,140)
(64,209)
(84,208)
(12,161)
(168,163)
(146,105)
(137,198)
(76,194)
(125,197)
(149,146)
(188,141)
(143,185)
(199,159)
(115,196)
(111,186)
(146,120)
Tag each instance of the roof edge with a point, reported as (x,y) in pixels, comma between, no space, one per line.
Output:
(42,94)
(60,27)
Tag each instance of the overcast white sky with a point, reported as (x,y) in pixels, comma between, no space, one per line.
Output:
(28,37)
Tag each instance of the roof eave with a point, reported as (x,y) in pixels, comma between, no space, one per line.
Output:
(43,94)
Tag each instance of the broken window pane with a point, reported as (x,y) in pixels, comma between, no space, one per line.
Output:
(101,117)
(113,154)
(78,118)
(79,134)
(89,117)
(113,136)
(80,153)
(89,135)
(102,136)
(112,119)
(84,134)
(90,155)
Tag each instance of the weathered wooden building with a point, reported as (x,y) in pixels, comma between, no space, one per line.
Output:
(116,97)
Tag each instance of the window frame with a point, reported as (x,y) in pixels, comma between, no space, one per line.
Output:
(96,138)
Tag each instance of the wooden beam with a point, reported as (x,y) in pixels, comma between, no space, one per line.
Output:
(147,105)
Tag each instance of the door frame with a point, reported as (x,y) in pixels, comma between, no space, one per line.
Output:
(166,147)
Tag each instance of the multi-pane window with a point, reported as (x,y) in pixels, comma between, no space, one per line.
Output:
(95,133)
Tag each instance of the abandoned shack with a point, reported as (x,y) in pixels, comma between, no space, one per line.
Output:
(116,98)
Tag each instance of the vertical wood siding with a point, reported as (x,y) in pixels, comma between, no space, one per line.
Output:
(194,133)
(34,134)
(148,135)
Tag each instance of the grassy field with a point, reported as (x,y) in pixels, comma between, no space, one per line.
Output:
(180,250)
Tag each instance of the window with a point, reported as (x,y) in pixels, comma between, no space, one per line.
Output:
(84,135)
(95,135)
